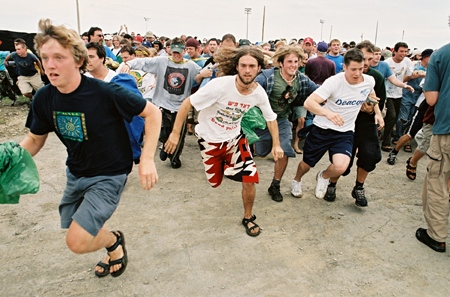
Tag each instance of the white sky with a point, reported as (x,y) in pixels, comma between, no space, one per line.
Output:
(424,23)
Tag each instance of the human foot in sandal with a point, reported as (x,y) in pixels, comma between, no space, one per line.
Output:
(118,253)
(251,227)
(411,169)
(116,261)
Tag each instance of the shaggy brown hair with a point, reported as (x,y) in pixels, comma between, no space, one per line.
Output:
(228,59)
(68,38)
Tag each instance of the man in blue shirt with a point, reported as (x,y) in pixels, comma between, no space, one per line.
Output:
(96,35)
(435,190)
(29,78)
(335,46)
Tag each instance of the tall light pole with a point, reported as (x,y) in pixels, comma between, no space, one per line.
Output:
(321,30)
(78,18)
(247,11)
(146,23)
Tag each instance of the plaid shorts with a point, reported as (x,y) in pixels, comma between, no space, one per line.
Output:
(232,159)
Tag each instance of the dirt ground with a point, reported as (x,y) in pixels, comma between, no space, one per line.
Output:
(185,238)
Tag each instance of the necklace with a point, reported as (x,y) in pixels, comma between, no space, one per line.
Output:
(248,88)
(288,81)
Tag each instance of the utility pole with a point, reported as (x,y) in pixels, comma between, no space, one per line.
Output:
(264,21)
(321,30)
(403,35)
(376,34)
(331,30)
(146,23)
(78,18)
(247,11)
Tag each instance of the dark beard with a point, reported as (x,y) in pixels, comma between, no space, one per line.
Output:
(242,80)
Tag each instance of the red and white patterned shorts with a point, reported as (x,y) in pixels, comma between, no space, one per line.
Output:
(232,159)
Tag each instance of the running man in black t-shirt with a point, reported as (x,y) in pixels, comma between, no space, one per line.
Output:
(87,116)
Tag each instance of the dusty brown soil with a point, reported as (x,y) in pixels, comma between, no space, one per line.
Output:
(186,239)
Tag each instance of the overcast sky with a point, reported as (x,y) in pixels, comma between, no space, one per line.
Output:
(422,24)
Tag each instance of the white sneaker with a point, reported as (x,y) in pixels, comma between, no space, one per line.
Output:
(296,189)
(322,185)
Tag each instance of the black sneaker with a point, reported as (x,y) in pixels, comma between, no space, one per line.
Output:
(423,237)
(392,157)
(175,162)
(330,196)
(163,154)
(359,195)
(275,193)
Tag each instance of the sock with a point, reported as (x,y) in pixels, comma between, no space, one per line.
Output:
(359,185)
(394,151)
(331,184)
(276,182)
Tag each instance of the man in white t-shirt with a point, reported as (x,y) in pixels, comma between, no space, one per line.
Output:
(175,77)
(222,104)
(402,68)
(334,124)
(96,66)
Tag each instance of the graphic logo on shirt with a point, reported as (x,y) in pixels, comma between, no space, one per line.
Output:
(364,93)
(71,125)
(230,117)
(175,80)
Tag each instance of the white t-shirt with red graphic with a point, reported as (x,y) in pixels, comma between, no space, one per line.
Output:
(222,108)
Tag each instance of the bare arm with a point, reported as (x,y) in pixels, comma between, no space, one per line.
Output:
(40,67)
(414,75)
(33,143)
(399,84)
(277,151)
(8,57)
(174,137)
(207,72)
(312,104)
(147,169)
(432,97)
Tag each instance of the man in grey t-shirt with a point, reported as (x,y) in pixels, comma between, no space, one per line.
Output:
(175,77)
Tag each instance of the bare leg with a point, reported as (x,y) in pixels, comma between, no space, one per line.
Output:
(80,241)
(416,157)
(28,95)
(361,175)
(301,170)
(404,140)
(300,124)
(248,197)
(280,167)
(338,167)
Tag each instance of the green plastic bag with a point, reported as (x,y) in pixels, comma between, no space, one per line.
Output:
(251,120)
(18,173)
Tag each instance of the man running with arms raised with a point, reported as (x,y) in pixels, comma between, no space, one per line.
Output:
(222,104)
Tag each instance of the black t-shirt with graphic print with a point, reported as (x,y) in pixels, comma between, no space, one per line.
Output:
(90,123)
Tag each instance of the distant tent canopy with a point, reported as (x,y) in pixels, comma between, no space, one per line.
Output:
(7,38)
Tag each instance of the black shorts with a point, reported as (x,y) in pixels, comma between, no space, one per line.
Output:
(319,141)
(368,146)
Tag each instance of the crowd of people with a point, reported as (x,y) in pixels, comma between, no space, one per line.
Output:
(350,100)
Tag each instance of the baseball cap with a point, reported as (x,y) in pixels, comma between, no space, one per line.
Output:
(149,34)
(386,54)
(138,39)
(191,42)
(244,42)
(308,40)
(322,47)
(415,52)
(107,37)
(177,47)
(426,53)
